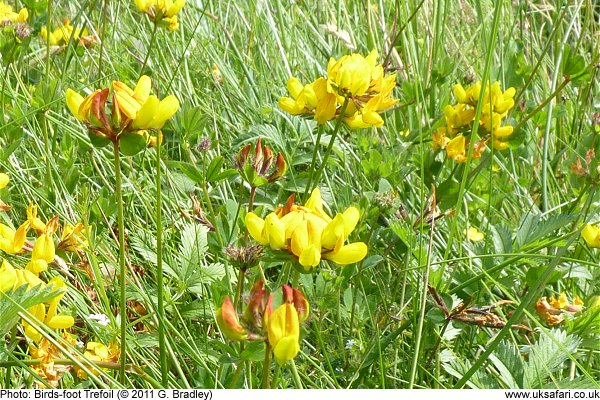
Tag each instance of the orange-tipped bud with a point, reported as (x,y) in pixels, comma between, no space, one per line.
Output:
(229,323)
(296,297)
(253,316)
(258,166)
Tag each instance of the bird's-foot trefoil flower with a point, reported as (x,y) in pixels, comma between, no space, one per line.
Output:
(123,114)
(162,12)
(258,165)
(261,321)
(354,80)
(67,32)
(309,233)
(454,136)
(554,310)
(591,235)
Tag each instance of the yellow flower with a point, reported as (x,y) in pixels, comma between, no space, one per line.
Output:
(460,117)
(132,110)
(553,310)
(353,79)
(98,352)
(154,112)
(61,35)
(8,277)
(7,14)
(591,235)
(473,234)
(162,12)
(73,238)
(49,316)
(456,149)
(34,221)
(12,241)
(3,180)
(284,333)
(43,249)
(46,353)
(309,233)
(352,73)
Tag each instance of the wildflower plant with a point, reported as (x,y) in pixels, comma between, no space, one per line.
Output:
(132,118)
(455,135)
(162,12)
(277,326)
(61,35)
(356,89)
(308,233)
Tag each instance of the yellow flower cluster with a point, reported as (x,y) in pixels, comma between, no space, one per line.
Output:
(553,310)
(98,352)
(46,353)
(133,110)
(61,35)
(43,250)
(308,232)
(279,328)
(12,278)
(459,120)
(162,12)
(8,15)
(591,235)
(354,79)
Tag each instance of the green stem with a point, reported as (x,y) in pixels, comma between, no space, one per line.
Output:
(251,201)
(122,274)
(13,340)
(297,379)
(164,364)
(240,287)
(314,158)
(336,129)
(275,380)
(101,52)
(48,24)
(267,367)
(47,148)
(152,40)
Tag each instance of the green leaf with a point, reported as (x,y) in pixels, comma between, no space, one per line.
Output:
(509,365)
(533,228)
(98,141)
(11,303)
(131,143)
(189,169)
(214,169)
(547,355)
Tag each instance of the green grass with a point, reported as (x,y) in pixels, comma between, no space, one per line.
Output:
(373,324)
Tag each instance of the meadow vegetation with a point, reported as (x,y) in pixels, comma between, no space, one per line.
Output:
(300,194)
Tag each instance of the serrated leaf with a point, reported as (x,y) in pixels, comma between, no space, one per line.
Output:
(509,365)
(547,355)
(144,247)
(502,239)
(11,303)
(479,380)
(581,382)
(533,228)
